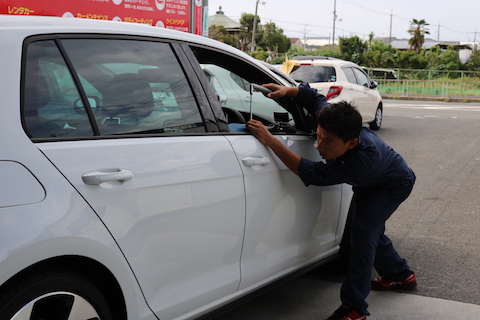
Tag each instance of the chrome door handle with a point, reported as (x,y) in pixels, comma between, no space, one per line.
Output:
(253,161)
(98,177)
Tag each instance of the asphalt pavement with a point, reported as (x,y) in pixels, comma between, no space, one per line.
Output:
(288,302)
(437,230)
(316,295)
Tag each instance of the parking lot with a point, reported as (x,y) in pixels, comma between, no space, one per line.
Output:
(437,229)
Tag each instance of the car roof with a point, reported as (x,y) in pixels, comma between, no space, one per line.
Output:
(45,25)
(322,61)
(314,58)
(24,26)
(15,28)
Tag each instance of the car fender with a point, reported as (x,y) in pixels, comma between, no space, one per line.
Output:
(39,243)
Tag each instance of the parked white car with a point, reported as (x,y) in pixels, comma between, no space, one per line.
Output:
(126,193)
(342,80)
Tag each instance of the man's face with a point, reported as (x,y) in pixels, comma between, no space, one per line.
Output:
(330,146)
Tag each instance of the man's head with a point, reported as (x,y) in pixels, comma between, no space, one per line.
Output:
(338,129)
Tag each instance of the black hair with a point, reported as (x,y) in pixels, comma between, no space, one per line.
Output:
(341,119)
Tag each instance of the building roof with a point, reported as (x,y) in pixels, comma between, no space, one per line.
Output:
(402,44)
(220,19)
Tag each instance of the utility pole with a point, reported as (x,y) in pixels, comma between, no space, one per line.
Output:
(475,40)
(254,29)
(391,16)
(305,38)
(438,32)
(334,18)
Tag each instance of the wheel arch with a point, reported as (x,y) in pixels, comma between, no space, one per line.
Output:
(89,268)
(377,123)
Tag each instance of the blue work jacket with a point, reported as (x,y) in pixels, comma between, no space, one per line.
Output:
(370,164)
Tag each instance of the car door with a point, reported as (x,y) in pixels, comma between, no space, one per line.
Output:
(371,94)
(118,118)
(356,92)
(361,93)
(287,224)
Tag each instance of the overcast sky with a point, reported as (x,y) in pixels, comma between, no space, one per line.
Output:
(457,20)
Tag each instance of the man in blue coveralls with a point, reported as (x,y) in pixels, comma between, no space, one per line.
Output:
(381,181)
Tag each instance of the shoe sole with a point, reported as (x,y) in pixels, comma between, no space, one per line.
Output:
(396,287)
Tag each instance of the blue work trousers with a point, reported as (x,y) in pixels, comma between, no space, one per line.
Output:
(370,247)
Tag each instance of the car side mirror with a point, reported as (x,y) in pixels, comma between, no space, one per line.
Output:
(374,85)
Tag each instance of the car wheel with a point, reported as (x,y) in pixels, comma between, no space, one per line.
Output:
(53,294)
(377,123)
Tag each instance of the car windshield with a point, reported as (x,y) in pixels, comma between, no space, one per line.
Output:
(309,74)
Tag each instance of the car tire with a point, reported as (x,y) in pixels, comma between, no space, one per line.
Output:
(52,294)
(377,122)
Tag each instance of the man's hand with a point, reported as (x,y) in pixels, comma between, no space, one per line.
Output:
(260,132)
(288,157)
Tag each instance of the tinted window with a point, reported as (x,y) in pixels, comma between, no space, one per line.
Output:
(362,78)
(350,75)
(310,74)
(49,92)
(233,92)
(132,87)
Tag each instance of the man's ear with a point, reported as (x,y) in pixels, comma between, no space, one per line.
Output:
(352,143)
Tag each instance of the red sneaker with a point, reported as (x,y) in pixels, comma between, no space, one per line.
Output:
(346,313)
(383,284)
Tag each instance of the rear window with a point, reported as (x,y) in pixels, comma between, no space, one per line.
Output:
(309,74)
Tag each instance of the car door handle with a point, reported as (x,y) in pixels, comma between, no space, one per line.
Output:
(254,161)
(98,177)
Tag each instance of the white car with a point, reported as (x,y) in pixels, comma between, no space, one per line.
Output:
(125,192)
(341,80)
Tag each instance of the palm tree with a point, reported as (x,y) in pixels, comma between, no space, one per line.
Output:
(418,31)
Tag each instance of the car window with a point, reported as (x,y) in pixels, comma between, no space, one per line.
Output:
(233,92)
(357,76)
(49,92)
(350,75)
(131,87)
(362,78)
(310,73)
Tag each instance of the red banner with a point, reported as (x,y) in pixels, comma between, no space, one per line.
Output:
(198,17)
(170,14)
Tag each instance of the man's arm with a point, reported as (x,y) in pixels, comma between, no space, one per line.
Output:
(288,157)
(281,91)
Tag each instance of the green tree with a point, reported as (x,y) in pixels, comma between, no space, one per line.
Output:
(273,39)
(410,60)
(352,49)
(473,63)
(371,35)
(380,55)
(246,25)
(418,31)
(221,34)
(438,59)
